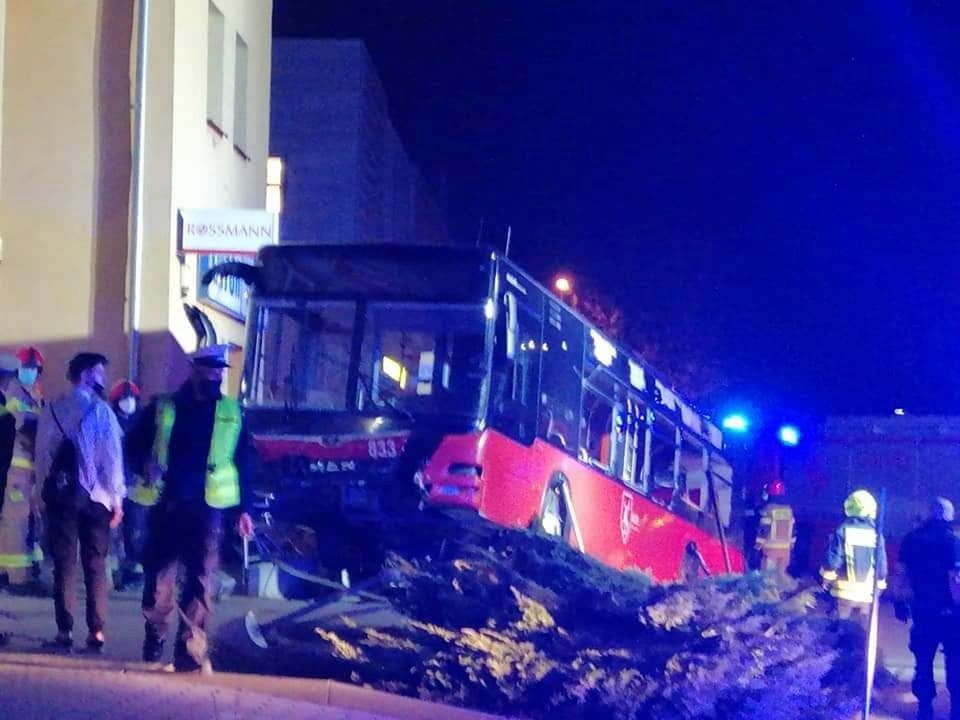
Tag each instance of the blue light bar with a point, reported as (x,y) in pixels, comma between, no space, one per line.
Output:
(789,435)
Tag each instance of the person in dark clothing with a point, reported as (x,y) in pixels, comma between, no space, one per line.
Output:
(124,398)
(194,444)
(930,561)
(8,422)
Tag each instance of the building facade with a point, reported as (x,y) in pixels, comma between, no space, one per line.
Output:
(66,142)
(348,178)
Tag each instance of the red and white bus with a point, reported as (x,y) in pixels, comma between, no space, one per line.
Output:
(380,380)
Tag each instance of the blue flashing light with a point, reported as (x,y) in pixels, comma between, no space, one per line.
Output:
(789,435)
(736,423)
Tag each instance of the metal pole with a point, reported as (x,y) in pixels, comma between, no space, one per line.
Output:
(873,630)
(136,193)
(721,532)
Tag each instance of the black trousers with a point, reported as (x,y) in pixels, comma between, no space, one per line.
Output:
(187,536)
(928,633)
(135,518)
(89,526)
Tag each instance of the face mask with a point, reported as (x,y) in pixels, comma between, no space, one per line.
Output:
(128,405)
(97,388)
(28,375)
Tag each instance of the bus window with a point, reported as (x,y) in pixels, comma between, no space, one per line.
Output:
(694,490)
(305,356)
(608,438)
(635,443)
(722,475)
(515,381)
(595,444)
(663,460)
(560,380)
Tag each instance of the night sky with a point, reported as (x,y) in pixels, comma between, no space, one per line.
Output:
(778,179)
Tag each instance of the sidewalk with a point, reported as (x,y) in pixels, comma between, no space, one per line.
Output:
(36,684)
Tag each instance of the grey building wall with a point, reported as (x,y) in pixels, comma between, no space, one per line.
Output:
(347,178)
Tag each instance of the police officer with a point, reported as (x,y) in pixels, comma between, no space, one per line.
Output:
(855,554)
(775,538)
(196,449)
(930,559)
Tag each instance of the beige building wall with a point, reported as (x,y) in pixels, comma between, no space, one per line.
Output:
(65,163)
(63,199)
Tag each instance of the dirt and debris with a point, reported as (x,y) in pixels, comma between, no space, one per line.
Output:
(528,627)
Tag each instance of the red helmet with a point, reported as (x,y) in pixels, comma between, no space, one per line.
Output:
(776,488)
(121,389)
(29,355)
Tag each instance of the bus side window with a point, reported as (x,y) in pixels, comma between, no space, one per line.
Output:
(663,460)
(561,383)
(595,445)
(515,382)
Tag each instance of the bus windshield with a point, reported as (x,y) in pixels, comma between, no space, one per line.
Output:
(416,358)
(425,358)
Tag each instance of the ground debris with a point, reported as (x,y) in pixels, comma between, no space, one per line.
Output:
(528,627)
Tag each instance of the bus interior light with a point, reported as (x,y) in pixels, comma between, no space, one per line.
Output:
(395,371)
(603,350)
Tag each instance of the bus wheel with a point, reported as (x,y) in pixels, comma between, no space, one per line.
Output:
(554,517)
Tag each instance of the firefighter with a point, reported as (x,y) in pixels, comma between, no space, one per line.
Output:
(19,549)
(124,398)
(855,555)
(929,561)
(196,448)
(775,537)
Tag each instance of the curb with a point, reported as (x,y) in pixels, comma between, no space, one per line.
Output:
(324,693)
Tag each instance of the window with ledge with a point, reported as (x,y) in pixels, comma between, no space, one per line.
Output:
(215,64)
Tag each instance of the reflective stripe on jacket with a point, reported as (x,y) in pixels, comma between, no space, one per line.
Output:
(848,570)
(26,410)
(776,527)
(222,486)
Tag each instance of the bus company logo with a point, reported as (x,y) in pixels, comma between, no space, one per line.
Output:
(629,520)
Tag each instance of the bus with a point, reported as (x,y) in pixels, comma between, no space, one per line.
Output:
(384,380)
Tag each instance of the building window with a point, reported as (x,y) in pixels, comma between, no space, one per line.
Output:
(215,35)
(240,99)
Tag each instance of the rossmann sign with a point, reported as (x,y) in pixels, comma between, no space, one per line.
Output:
(227,231)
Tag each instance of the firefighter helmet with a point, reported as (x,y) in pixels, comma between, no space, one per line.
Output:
(29,355)
(122,389)
(860,504)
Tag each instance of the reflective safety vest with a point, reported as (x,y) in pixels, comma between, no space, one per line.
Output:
(222,489)
(26,410)
(145,494)
(854,580)
(776,527)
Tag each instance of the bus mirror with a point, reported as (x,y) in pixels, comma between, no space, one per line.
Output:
(513,325)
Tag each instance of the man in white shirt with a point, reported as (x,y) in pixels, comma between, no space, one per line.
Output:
(83,489)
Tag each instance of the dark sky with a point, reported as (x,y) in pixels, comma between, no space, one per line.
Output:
(783,177)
